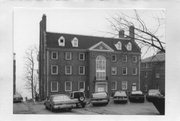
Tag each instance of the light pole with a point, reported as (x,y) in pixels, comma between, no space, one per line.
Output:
(14,73)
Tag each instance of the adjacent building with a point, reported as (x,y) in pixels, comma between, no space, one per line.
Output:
(71,62)
(153,72)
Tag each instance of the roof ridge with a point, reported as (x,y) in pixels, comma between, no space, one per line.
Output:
(90,36)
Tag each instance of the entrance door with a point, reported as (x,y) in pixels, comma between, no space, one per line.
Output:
(101,87)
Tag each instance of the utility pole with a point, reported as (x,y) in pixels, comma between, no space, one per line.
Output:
(14,73)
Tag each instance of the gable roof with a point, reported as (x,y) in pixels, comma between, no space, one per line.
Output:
(159,57)
(85,42)
(101,46)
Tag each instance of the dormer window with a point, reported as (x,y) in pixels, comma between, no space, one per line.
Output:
(129,46)
(61,41)
(74,42)
(118,45)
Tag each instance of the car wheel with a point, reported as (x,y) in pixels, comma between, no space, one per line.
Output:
(83,105)
(81,98)
(52,109)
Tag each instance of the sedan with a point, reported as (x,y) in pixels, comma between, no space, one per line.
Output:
(59,101)
(17,98)
(99,98)
(152,94)
(120,97)
(136,96)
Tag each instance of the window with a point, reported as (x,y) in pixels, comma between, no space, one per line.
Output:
(74,42)
(54,86)
(124,59)
(134,71)
(68,55)
(81,85)
(124,85)
(118,45)
(146,74)
(54,69)
(54,55)
(68,86)
(100,68)
(114,70)
(113,85)
(68,70)
(61,41)
(129,46)
(134,59)
(81,56)
(113,58)
(81,70)
(124,71)
(157,75)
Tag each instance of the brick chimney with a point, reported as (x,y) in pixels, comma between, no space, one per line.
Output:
(131,32)
(121,33)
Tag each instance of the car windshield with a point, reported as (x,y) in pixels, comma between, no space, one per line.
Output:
(120,93)
(136,92)
(60,98)
(154,91)
(99,95)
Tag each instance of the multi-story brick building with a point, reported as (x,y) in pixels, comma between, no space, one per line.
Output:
(69,62)
(153,72)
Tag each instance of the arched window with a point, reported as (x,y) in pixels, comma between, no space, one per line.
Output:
(61,41)
(100,68)
(129,46)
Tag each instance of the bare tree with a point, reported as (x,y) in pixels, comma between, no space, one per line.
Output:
(145,35)
(31,72)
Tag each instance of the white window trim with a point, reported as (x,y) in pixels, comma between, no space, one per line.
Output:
(70,86)
(135,71)
(115,85)
(112,71)
(101,71)
(67,54)
(79,85)
(56,55)
(74,42)
(57,86)
(112,58)
(123,58)
(126,70)
(70,70)
(135,59)
(52,70)
(126,85)
(83,70)
(83,56)
(129,46)
(61,43)
(118,45)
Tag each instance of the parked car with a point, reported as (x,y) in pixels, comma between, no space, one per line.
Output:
(152,94)
(99,98)
(136,96)
(120,97)
(59,101)
(80,96)
(17,98)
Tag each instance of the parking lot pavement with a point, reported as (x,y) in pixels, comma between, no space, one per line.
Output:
(21,108)
(146,108)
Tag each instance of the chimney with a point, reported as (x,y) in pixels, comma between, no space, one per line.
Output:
(44,22)
(131,32)
(121,33)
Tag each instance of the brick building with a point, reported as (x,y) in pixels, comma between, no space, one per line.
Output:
(69,62)
(153,72)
